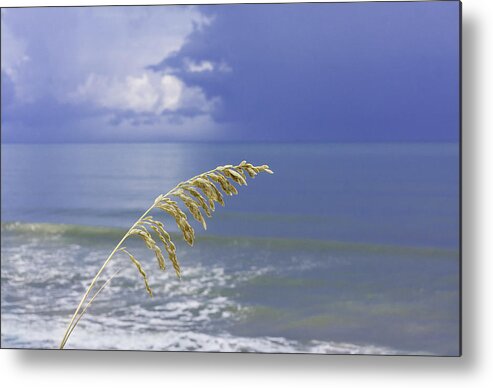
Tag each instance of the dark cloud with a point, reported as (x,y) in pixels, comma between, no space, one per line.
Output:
(341,72)
(289,72)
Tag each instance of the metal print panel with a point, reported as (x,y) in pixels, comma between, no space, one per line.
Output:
(274,178)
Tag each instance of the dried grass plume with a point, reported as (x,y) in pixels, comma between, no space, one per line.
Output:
(198,196)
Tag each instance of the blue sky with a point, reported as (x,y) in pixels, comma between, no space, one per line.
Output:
(356,72)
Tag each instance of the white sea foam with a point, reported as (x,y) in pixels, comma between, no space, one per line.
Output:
(43,278)
(41,334)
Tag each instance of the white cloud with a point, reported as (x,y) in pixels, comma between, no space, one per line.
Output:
(130,93)
(205,66)
(147,92)
(101,56)
(172,89)
(198,67)
(14,56)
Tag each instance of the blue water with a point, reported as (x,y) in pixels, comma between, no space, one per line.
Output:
(403,194)
(346,248)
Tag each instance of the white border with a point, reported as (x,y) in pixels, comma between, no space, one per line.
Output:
(474,369)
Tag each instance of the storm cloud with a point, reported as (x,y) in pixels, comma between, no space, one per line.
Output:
(288,72)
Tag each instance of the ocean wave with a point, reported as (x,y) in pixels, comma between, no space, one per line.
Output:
(97,232)
(95,337)
(228,300)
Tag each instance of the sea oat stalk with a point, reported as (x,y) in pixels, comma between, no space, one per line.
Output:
(197,194)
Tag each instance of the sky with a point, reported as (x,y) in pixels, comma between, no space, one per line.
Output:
(340,72)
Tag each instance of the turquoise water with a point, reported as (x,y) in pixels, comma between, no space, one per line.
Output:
(347,248)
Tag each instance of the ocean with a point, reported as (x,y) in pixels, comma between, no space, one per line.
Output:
(347,248)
